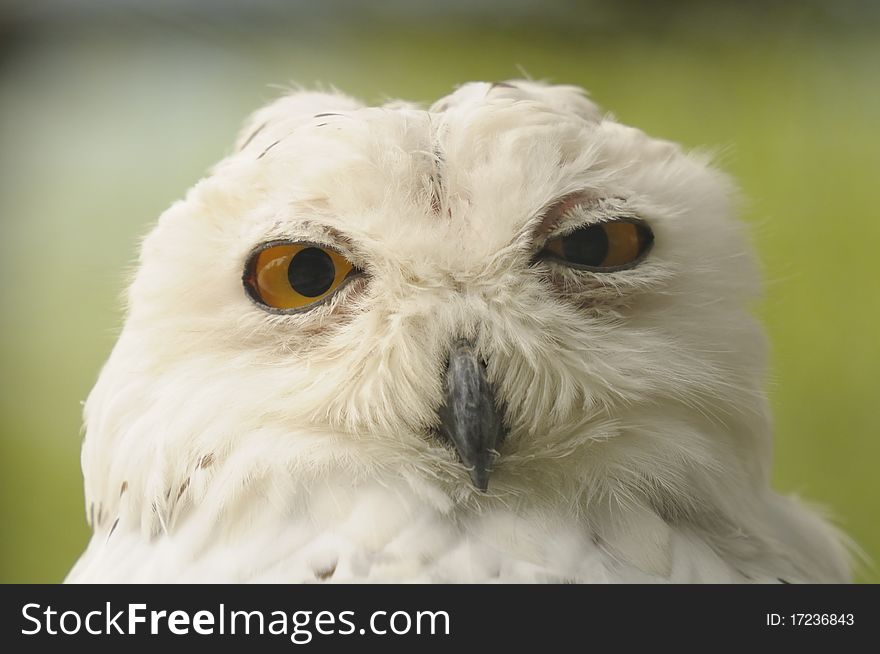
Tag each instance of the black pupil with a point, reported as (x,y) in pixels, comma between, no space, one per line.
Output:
(311,272)
(587,247)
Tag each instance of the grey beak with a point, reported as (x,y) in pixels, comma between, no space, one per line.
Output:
(469,418)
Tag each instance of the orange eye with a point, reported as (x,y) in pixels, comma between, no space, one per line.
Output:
(291,276)
(602,247)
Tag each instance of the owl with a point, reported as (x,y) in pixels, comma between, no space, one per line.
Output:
(504,338)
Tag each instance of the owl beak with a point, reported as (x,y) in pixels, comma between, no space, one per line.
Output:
(469,417)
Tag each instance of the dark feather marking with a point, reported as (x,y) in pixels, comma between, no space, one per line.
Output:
(435,200)
(183,488)
(437,181)
(783,581)
(501,85)
(326,114)
(321,125)
(113,528)
(92,514)
(156,526)
(206,461)
(263,153)
(123,488)
(325,573)
(100,513)
(250,138)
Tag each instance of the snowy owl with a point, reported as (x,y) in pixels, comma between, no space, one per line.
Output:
(502,338)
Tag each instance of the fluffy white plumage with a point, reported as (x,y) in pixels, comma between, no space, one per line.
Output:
(226,443)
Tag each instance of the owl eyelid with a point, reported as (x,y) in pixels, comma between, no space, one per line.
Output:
(604,220)
(555,214)
(597,269)
(352,276)
(265,245)
(560,213)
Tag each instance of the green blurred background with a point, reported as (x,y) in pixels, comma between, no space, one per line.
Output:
(109,111)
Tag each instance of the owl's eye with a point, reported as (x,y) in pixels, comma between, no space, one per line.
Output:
(292,276)
(602,247)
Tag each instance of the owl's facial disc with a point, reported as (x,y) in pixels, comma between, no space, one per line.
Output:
(469,417)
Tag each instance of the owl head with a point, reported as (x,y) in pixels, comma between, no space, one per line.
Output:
(508,297)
